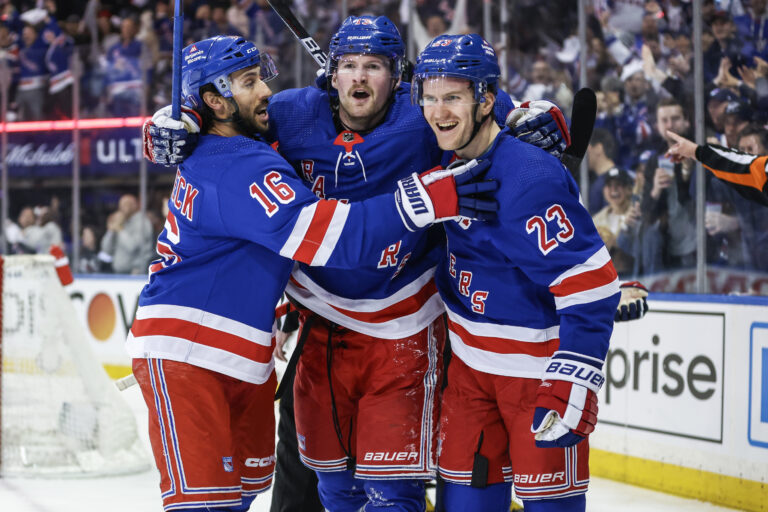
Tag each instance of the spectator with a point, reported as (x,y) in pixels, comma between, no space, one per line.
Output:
(39,230)
(717,102)
(753,24)
(30,95)
(90,261)
(128,243)
(435,24)
(600,153)
(123,72)
(611,220)
(220,25)
(736,118)
(9,53)
(16,235)
(57,61)
(13,236)
(727,45)
(667,204)
(633,126)
(201,25)
(544,86)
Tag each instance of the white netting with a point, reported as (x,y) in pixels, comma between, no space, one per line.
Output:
(61,414)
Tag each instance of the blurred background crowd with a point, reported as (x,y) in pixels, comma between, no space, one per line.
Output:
(640,63)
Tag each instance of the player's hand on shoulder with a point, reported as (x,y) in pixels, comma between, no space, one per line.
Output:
(566,401)
(542,124)
(167,141)
(440,194)
(633,303)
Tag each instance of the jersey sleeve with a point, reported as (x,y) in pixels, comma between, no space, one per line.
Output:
(551,237)
(272,207)
(503,106)
(747,174)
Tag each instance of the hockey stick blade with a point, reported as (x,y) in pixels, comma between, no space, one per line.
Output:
(125,382)
(583,116)
(283,9)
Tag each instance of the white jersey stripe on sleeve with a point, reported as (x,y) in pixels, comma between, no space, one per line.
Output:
(596,261)
(299,231)
(332,234)
(587,296)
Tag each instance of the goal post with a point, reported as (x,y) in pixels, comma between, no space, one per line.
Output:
(60,414)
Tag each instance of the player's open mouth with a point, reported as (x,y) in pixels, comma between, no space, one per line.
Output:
(360,94)
(444,127)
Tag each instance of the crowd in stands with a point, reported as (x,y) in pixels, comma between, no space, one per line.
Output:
(640,63)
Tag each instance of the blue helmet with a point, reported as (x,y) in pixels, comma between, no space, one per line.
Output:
(212,60)
(367,35)
(459,56)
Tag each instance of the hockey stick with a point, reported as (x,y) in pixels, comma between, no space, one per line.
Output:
(126,382)
(283,9)
(178,25)
(583,116)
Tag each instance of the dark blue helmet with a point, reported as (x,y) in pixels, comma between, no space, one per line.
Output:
(459,56)
(367,35)
(212,60)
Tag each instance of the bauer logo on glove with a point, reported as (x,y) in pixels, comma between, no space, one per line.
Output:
(566,401)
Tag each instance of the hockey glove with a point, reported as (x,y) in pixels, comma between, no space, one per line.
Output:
(442,194)
(566,402)
(632,304)
(169,142)
(542,124)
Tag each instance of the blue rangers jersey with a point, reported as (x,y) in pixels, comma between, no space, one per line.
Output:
(392,295)
(536,281)
(238,215)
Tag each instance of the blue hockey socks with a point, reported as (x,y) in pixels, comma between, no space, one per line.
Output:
(465,498)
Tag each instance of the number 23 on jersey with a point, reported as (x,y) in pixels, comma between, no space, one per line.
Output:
(538,226)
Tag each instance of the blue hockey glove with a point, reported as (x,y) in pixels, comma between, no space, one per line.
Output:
(542,124)
(442,194)
(169,142)
(566,401)
(632,304)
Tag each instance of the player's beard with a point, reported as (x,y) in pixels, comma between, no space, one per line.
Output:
(248,125)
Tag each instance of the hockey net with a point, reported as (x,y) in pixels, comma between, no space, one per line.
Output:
(60,414)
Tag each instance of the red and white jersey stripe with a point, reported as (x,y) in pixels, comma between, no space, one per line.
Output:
(203,339)
(316,232)
(593,280)
(510,350)
(407,311)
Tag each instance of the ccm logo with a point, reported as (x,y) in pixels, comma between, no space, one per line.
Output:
(255,462)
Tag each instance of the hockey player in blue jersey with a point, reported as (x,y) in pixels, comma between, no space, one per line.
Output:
(371,441)
(203,335)
(530,302)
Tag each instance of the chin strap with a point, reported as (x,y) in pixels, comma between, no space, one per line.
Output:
(476,128)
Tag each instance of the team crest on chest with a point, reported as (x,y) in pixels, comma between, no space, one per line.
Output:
(349,156)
